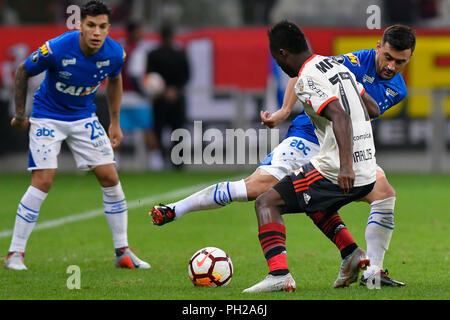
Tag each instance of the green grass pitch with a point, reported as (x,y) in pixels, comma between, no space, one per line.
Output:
(418,255)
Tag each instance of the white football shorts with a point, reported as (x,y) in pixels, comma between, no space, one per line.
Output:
(289,155)
(86,139)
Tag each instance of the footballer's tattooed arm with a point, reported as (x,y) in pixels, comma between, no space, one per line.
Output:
(20,120)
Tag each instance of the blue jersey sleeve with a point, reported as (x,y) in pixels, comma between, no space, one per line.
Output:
(402,92)
(356,62)
(120,64)
(40,60)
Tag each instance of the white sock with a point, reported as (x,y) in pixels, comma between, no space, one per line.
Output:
(212,197)
(27,215)
(116,213)
(379,232)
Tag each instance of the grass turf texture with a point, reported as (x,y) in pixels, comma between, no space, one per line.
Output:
(418,253)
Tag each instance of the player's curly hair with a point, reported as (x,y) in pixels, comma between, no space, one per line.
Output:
(286,35)
(94,8)
(400,37)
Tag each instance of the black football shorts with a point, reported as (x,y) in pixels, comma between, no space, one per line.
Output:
(306,190)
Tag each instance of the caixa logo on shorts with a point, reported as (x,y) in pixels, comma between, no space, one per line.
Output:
(75,90)
(44,132)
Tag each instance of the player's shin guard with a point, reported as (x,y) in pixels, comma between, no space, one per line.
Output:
(27,215)
(116,212)
(334,228)
(379,229)
(212,197)
(272,237)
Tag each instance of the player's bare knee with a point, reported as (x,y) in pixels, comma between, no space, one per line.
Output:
(263,202)
(268,200)
(382,189)
(260,203)
(43,185)
(252,193)
(109,181)
(42,180)
(258,183)
(390,192)
(107,176)
(255,189)
(387,191)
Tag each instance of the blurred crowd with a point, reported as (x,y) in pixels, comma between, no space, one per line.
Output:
(188,14)
(145,115)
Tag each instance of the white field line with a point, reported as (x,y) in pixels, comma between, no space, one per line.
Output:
(98,212)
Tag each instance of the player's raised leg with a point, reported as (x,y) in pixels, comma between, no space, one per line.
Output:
(215,196)
(289,155)
(379,229)
(116,212)
(27,215)
(272,237)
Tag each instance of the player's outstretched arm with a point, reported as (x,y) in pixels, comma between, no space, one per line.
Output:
(114,96)
(342,128)
(371,105)
(289,100)
(20,120)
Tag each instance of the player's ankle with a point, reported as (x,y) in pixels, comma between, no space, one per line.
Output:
(348,250)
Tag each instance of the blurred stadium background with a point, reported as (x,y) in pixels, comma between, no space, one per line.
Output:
(233,76)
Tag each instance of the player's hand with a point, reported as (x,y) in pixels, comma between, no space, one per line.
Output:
(115,135)
(20,122)
(274,119)
(346,179)
(268,120)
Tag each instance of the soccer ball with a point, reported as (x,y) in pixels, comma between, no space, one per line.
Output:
(210,267)
(153,83)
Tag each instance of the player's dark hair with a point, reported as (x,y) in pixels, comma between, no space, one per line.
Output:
(94,8)
(286,35)
(400,37)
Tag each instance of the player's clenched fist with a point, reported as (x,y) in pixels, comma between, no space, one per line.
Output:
(20,122)
(346,180)
(115,136)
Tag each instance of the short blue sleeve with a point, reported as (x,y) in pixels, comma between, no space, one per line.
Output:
(355,62)
(401,95)
(120,64)
(40,60)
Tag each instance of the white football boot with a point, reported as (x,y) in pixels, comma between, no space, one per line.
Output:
(273,283)
(350,268)
(127,259)
(15,261)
